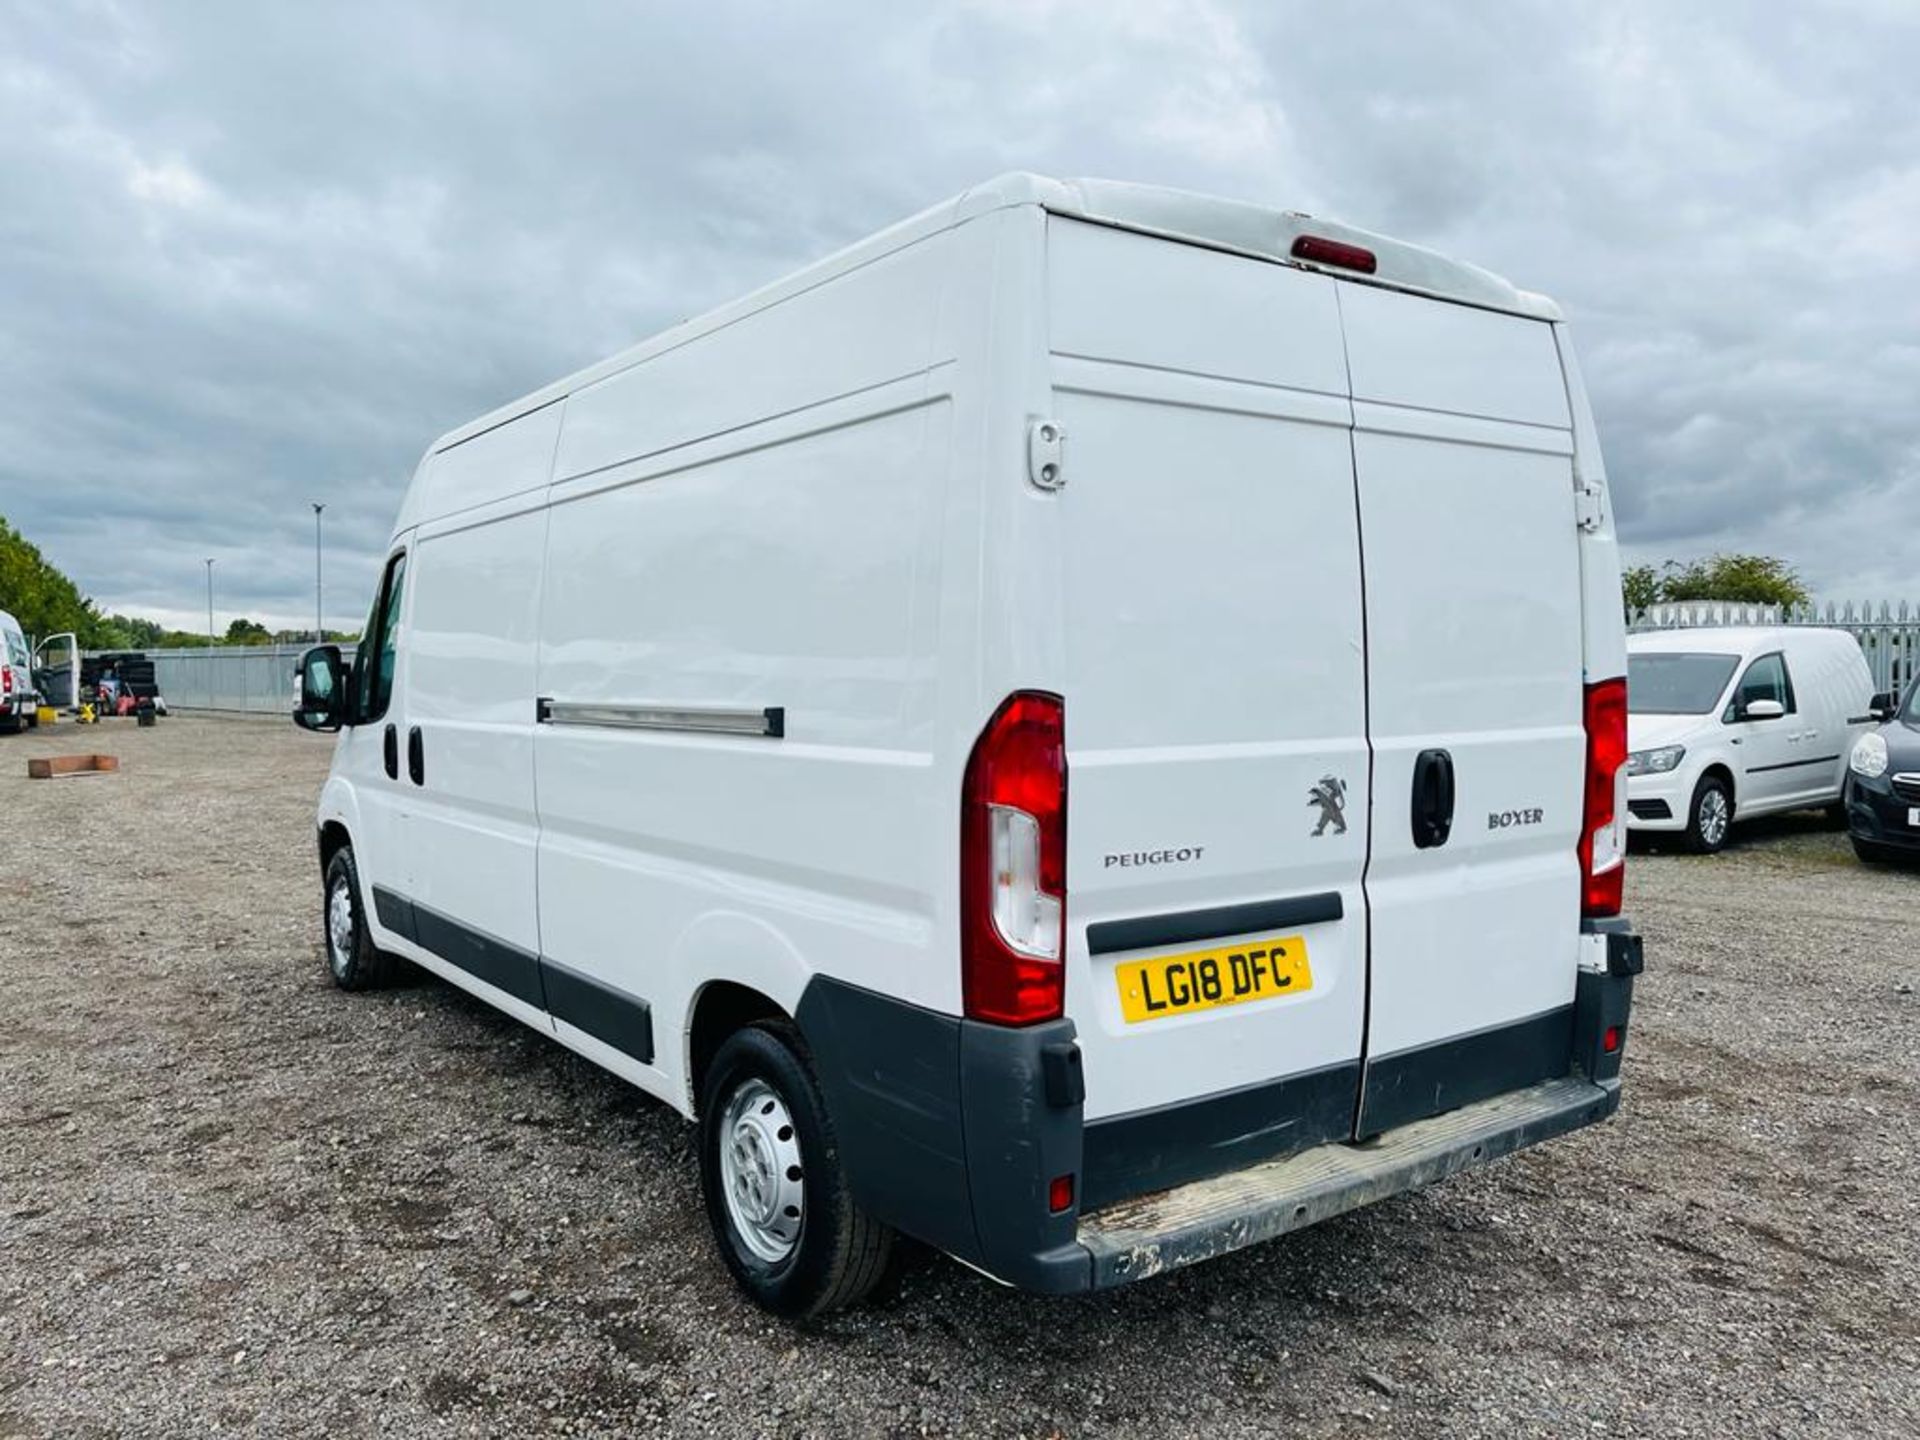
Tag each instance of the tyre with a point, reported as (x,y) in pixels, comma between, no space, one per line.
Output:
(352,958)
(776,1197)
(33,719)
(1710,817)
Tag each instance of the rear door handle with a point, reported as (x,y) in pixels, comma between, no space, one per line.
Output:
(416,757)
(390,752)
(1432,799)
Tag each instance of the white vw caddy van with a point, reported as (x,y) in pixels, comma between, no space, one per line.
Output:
(1087,729)
(1740,722)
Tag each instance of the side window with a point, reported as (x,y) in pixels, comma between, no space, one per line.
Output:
(373,669)
(1766,679)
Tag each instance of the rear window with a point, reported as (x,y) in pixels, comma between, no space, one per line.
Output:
(1677,684)
(16,647)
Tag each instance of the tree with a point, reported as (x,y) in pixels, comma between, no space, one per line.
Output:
(1745,579)
(247,632)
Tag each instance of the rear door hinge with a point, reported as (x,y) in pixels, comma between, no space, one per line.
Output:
(1046,454)
(1589,502)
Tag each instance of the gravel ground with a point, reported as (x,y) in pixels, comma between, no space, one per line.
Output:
(235,1199)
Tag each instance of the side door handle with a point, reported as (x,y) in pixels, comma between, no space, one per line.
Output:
(1432,799)
(390,752)
(416,757)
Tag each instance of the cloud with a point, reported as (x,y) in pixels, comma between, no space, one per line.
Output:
(256,256)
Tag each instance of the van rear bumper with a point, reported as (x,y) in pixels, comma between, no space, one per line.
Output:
(1148,1236)
(952,1131)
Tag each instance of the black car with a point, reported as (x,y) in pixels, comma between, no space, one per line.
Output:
(1883,782)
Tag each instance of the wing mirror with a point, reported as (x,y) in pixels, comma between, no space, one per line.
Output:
(1881,706)
(322,703)
(1763,710)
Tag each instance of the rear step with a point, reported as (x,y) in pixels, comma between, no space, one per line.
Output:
(1154,1233)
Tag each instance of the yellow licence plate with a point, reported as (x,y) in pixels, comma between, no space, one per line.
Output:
(1206,979)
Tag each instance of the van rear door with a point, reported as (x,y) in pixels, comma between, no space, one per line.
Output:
(1463,461)
(1215,716)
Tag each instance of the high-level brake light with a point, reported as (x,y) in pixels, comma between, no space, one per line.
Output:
(1603,828)
(1323,251)
(1013,864)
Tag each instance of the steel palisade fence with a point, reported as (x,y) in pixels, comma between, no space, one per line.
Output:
(1889,633)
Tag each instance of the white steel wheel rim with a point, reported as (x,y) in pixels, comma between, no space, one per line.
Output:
(340,925)
(1713,816)
(760,1171)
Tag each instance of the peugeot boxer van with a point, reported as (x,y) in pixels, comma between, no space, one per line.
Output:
(1730,724)
(1086,729)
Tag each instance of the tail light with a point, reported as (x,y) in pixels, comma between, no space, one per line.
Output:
(1013,864)
(6,679)
(1603,829)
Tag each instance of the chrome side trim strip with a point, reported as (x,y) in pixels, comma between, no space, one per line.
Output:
(769,722)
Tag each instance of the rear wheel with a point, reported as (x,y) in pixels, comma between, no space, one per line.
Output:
(353,960)
(776,1197)
(1710,817)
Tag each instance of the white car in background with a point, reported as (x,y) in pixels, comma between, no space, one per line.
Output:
(19,701)
(1726,724)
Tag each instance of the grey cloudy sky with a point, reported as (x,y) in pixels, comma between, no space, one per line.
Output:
(256,254)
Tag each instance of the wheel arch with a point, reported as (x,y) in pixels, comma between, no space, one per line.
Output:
(736,969)
(333,839)
(1723,772)
(337,819)
(719,1009)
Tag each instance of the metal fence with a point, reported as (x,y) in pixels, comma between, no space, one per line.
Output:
(256,678)
(1889,634)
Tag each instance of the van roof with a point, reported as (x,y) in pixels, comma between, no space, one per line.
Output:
(1231,225)
(1740,640)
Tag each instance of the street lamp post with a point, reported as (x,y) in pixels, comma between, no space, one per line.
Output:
(210,637)
(319,621)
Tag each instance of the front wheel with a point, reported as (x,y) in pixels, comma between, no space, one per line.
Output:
(353,960)
(1710,817)
(776,1196)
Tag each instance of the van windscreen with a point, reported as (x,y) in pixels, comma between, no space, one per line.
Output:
(1677,684)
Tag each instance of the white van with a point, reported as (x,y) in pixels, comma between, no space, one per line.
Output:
(19,700)
(1087,728)
(1726,724)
